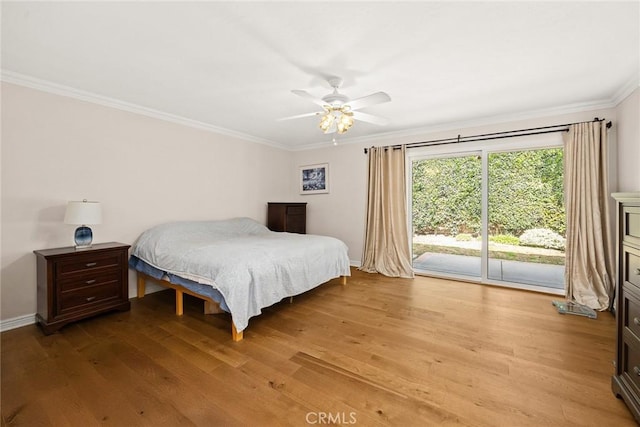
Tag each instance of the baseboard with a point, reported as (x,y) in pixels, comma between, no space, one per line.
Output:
(356,264)
(17,322)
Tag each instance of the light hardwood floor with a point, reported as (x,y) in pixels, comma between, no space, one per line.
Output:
(377,351)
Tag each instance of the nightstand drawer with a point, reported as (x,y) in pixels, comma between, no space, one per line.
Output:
(87,262)
(90,295)
(631,263)
(91,278)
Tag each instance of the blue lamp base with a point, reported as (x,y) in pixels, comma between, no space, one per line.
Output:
(83,237)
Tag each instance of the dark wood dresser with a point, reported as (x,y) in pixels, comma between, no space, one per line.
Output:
(290,217)
(74,284)
(626,381)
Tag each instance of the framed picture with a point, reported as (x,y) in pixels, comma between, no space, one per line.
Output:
(314,179)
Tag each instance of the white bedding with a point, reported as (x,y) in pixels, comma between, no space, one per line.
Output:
(250,265)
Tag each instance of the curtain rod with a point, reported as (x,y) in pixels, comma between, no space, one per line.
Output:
(489,136)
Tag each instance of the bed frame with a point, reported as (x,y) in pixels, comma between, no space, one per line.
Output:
(210,306)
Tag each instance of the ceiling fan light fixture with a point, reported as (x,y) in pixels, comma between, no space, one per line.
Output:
(326,121)
(344,122)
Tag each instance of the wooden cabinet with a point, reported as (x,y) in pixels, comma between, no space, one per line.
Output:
(626,381)
(290,217)
(74,284)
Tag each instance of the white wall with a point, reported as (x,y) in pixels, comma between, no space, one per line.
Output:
(144,171)
(628,112)
(341,213)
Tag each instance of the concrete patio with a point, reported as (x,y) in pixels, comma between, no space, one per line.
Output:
(545,275)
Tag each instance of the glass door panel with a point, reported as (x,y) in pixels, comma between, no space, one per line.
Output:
(526,218)
(446,215)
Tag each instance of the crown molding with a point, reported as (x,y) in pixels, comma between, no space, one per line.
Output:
(57,89)
(627,89)
(24,80)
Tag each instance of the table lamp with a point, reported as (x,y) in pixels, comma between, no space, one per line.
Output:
(83,213)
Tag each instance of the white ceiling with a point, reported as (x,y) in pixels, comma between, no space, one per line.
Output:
(231,66)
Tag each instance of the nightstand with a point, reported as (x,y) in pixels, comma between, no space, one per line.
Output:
(74,284)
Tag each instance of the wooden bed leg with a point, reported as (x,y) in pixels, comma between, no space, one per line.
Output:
(179,306)
(211,307)
(235,335)
(141,286)
(343,280)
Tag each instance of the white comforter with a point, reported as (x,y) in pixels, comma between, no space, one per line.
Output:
(250,265)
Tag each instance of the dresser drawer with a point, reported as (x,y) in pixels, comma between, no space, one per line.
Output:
(88,296)
(296,210)
(86,263)
(631,310)
(94,277)
(631,224)
(296,224)
(631,361)
(631,265)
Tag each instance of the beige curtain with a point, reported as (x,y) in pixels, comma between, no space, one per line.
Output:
(589,262)
(386,245)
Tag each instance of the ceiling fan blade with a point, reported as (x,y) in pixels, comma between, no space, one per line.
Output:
(310,97)
(369,118)
(299,116)
(365,101)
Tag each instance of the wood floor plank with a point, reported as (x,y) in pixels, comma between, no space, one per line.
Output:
(378,351)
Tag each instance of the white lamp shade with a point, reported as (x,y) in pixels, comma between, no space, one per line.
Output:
(83,213)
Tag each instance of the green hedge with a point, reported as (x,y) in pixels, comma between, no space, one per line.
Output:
(526,191)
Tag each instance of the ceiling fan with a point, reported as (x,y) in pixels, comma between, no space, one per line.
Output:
(339,111)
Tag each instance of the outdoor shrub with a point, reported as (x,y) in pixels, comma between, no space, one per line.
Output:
(464,237)
(505,239)
(542,238)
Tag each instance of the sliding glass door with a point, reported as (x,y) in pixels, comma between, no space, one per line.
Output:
(490,215)
(446,206)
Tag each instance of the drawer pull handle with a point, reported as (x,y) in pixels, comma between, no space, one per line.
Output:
(89,299)
(89,282)
(636,370)
(91,264)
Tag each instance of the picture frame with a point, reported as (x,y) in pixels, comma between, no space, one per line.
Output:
(314,179)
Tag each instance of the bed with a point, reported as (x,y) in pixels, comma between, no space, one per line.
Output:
(236,266)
